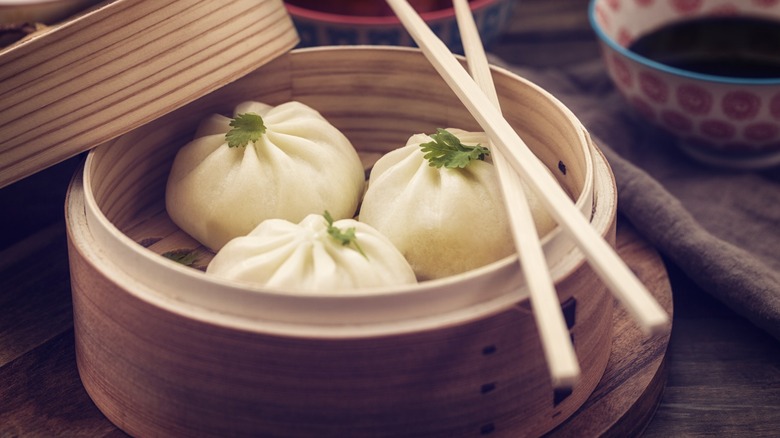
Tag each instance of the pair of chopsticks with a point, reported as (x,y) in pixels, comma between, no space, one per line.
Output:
(514,161)
(556,341)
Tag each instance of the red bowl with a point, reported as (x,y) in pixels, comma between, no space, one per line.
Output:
(370,22)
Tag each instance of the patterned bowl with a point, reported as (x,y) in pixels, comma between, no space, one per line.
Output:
(723,121)
(359,22)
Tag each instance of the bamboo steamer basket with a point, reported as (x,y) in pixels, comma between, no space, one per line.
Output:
(163,349)
(121,64)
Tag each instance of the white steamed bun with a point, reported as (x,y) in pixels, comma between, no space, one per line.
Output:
(301,165)
(443,220)
(304,256)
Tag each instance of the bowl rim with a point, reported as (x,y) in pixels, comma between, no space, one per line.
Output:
(387,20)
(647,62)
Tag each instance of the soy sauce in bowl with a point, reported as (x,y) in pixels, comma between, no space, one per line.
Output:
(731,46)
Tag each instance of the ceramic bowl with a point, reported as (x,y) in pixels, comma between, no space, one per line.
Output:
(361,23)
(723,121)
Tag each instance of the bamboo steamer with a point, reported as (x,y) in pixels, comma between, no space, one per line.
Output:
(163,349)
(121,64)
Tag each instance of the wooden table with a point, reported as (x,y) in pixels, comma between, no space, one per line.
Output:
(723,373)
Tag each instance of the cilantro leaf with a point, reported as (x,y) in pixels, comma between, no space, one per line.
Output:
(446,150)
(246,127)
(345,238)
(186,257)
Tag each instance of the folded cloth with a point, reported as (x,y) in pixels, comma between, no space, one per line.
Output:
(721,227)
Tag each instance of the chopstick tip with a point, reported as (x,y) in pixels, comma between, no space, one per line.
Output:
(565,382)
(659,325)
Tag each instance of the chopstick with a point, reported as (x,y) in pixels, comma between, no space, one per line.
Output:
(613,271)
(557,344)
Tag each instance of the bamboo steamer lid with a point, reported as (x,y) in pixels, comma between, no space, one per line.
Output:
(164,350)
(122,64)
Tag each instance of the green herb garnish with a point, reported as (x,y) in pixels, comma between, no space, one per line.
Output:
(446,150)
(186,257)
(345,238)
(246,127)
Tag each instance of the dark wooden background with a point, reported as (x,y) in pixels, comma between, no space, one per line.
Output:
(724,374)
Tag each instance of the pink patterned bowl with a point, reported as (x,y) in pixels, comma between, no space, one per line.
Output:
(724,121)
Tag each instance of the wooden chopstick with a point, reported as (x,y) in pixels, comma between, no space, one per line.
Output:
(625,286)
(557,343)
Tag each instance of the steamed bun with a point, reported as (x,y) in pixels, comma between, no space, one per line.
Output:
(300,165)
(443,220)
(305,256)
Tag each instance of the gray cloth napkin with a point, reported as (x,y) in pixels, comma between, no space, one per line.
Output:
(721,227)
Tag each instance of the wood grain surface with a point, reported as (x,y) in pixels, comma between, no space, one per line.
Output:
(100,74)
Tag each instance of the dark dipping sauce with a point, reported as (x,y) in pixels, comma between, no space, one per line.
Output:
(732,46)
